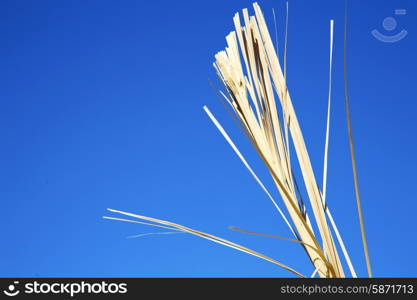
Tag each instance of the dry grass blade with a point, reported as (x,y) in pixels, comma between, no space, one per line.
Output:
(274,237)
(173,226)
(326,150)
(152,233)
(326,147)
(341,243)
(352,153)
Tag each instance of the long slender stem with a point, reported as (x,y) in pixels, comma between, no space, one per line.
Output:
(352,155)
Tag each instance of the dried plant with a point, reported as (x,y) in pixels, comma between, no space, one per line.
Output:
(256,94)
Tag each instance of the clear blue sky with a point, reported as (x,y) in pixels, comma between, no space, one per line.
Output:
(101,106)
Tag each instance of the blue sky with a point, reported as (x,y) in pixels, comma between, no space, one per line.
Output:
(101,106)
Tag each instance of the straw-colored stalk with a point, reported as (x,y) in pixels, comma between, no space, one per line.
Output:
(256,93)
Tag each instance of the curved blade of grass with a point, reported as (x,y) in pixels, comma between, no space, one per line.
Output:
(284,239)
(341,243)
(209,237)
(152,233)
(352,155)
(287,118)
(326,147)
(276,31)
(138,222)
(274,237)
